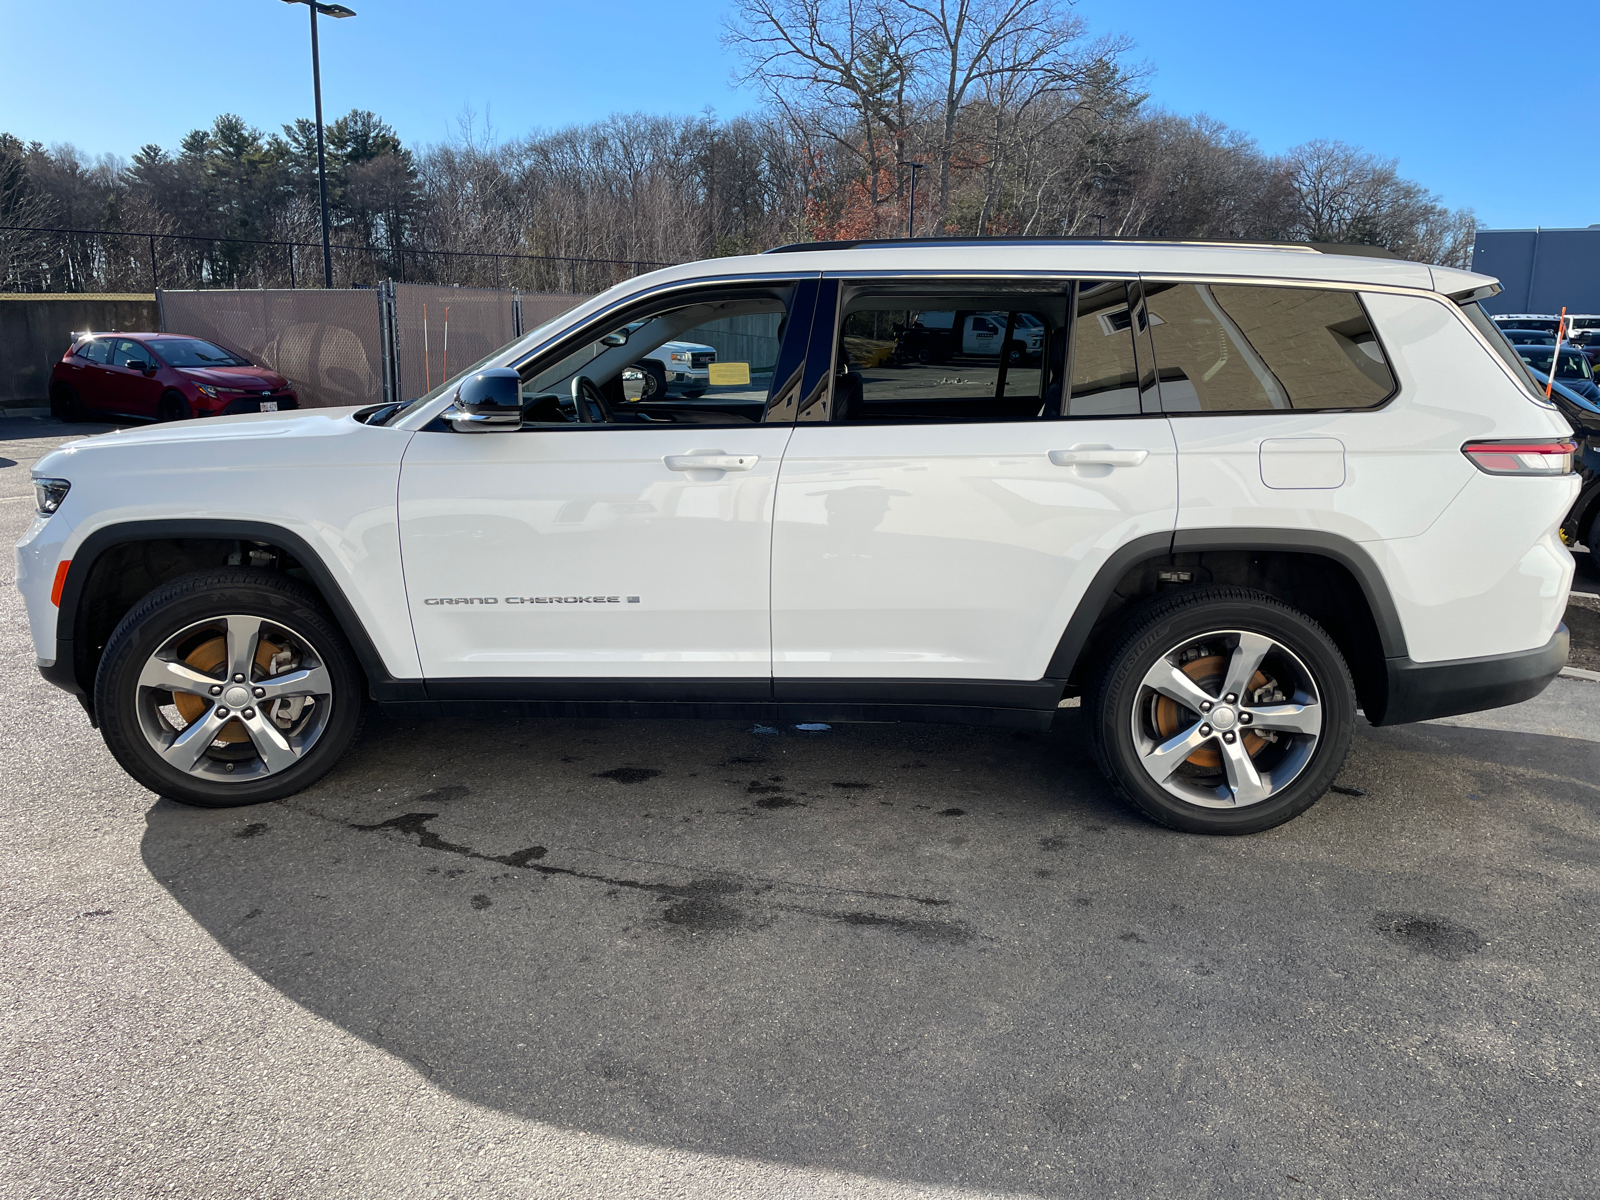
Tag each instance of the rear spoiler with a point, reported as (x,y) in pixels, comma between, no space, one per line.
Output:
(1472,295)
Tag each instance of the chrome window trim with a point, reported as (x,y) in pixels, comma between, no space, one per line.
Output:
(517,357)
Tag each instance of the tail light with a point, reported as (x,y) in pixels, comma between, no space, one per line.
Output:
(1522,458)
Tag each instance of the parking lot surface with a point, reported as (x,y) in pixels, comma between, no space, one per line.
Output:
(590,958)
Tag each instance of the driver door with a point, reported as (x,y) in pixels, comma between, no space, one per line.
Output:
(630,549)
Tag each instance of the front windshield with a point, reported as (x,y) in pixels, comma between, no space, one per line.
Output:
(192,352)
(1572,365)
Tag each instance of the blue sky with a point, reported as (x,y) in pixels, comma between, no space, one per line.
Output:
(1430,84)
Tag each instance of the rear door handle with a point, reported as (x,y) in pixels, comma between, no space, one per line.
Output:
(711,460)
(1098,456)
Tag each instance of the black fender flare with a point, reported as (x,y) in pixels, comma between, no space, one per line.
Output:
(63,672)
(1341,550)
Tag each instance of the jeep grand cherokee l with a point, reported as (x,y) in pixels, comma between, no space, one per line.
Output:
(1243,493)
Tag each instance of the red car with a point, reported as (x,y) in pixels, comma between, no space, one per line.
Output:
(167,376)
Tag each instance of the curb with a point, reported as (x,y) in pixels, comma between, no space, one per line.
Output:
(1580,673)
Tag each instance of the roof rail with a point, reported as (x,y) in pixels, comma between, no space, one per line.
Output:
(1305,247)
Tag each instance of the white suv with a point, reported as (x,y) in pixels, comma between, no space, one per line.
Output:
(1242,492)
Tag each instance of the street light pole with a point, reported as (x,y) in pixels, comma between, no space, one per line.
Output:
(911,217)
(327,10)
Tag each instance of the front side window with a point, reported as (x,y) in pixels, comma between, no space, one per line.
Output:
(698,360)
(1248,348)
(909,357)
(128,351)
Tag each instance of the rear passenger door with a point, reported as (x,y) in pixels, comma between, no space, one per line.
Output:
(940,511)
(92,373)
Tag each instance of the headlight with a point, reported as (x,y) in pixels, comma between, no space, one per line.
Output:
(206,390)
(50,493)
(680,358)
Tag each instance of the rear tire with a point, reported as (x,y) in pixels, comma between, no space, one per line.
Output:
(1222,710)
(64,404)
(178,722)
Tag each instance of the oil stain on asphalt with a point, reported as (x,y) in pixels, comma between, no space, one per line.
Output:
(698,906)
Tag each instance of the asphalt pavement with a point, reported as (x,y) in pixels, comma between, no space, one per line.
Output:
(693,959)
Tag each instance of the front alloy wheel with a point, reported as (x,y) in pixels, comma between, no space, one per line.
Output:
(234,697)
(228,687)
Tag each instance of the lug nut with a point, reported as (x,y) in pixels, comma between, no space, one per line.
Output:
(1205,731)
(260,692)
(1244,718)
(1228,737)
(221,712)
(249,714)
(238,678)
(217,691)
(1231,698)
(1205,705)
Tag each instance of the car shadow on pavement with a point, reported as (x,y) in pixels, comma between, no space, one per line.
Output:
(934,954)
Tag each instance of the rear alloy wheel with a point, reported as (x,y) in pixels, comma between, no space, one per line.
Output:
(226,688)
(1224,711)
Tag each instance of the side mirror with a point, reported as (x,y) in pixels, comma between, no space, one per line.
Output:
(135,365)
(619,338)
(488,402)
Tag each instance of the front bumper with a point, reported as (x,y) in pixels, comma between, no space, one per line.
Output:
(251,404)
(1423,691)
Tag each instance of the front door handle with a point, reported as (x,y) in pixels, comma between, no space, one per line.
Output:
(711,460)
(1098,456)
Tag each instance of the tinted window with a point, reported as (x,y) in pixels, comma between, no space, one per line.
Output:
(1497,341)
(1240,348)
(96,351)
(949,357)
(1105,376)
(128,351)
(1572,365)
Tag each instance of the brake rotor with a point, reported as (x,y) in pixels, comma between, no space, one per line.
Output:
(206,658)
(1204,671)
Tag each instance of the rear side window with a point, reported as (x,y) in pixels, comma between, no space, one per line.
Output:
(1105,375)
(949,356)
(1247,348)
(96,351)
(1497,341)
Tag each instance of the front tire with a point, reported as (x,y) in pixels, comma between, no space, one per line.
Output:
(1222,710)
(228,687)
(171,407)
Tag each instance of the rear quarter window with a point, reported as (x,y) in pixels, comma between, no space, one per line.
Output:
(1251,348)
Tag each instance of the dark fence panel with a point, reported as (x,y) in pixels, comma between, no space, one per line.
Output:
(328,344)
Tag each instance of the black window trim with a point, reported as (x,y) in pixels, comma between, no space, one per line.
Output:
(1303,285)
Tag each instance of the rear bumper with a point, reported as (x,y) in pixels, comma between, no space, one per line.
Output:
(1422,691)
